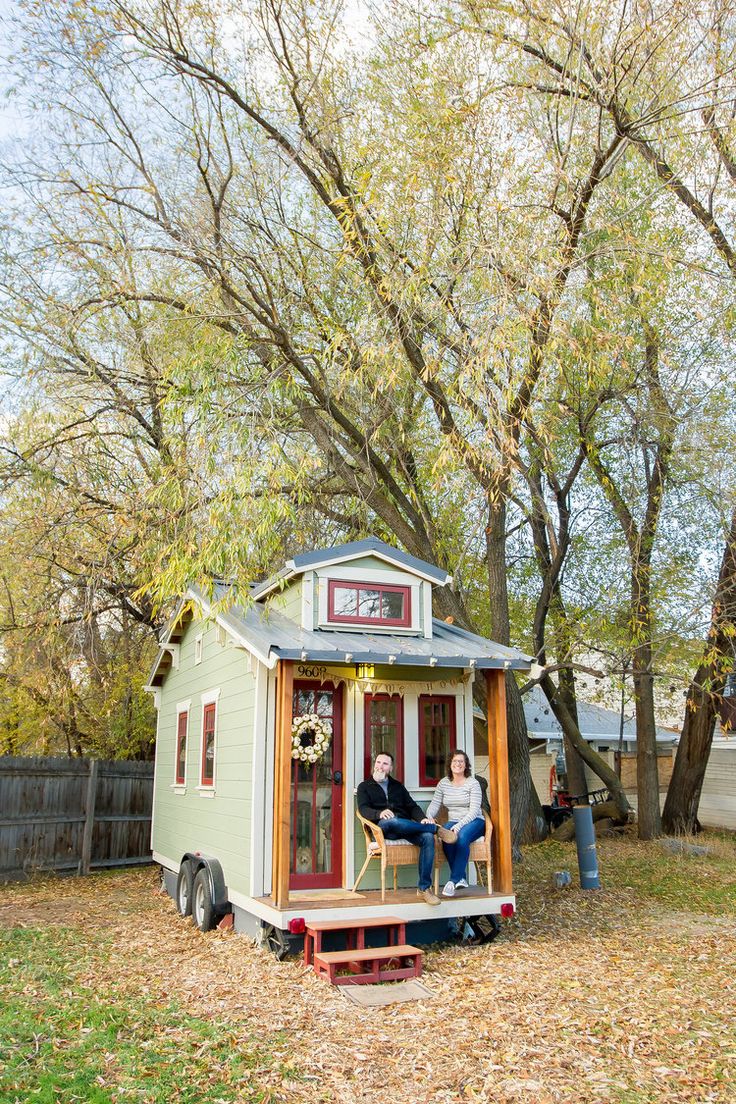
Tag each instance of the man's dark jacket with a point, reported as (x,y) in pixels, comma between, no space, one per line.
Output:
(372,801)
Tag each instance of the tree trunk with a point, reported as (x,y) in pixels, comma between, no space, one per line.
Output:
(680,812)
(577,783)
(703,698)
(596,763)
(647,776)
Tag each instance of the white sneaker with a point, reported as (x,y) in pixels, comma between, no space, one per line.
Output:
(461,884)
(449,890)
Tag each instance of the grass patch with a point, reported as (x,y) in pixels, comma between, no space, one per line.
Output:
(691,883)
(64,1040)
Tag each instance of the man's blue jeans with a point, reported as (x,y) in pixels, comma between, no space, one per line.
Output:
(420,834)
(458,853)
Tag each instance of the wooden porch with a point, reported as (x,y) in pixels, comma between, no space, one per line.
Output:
(404,903)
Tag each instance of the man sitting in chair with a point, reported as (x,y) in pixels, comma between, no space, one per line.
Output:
(384,801)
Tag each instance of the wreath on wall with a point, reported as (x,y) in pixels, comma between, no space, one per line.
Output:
(310,738)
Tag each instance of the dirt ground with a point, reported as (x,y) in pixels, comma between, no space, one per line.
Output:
(601,997)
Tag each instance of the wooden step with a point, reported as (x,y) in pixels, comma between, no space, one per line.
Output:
(365,965)
(354,931)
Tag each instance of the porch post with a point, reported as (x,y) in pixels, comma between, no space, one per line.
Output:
(282,785)
(498,762)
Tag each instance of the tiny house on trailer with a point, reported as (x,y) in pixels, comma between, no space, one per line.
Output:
(347,634)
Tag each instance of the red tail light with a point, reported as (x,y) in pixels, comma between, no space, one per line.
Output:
(507,910)
(297,926)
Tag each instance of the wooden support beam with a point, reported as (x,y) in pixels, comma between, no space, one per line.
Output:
(498,760)
(282,785)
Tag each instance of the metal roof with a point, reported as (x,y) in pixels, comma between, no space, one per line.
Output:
(322,557)
(271,636)
(595,722)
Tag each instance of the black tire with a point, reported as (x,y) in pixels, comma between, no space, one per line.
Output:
(184,883)
(485,928)
(276,941)
(203,911)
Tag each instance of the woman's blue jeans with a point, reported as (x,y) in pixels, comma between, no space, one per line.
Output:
(458,853)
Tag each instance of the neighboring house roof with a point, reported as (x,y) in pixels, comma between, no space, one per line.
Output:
(271,636)
(596,722)
(341,553)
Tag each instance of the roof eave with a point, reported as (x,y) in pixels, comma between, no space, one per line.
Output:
(480,663)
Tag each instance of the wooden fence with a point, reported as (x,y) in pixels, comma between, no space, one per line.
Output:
(73,814)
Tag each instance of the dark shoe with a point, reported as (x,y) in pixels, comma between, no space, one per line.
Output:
(447,835)
(429,896)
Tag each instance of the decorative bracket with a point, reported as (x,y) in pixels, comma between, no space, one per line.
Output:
(173,650)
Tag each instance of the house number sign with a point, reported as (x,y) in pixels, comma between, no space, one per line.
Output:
(311,672)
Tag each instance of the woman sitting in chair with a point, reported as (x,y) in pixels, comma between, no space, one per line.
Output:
(460,794)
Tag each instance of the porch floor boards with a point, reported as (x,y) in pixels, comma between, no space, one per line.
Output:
(372,897)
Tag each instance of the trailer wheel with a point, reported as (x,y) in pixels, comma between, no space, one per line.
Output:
(184,883)
(485,928)
(203,911)
(276,941)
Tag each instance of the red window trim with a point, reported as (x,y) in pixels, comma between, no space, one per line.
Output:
(398,770)
(436,699)
(210,710)
(355,619)
(181,778)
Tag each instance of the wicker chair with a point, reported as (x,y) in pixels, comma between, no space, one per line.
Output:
(397,853)
(393,853)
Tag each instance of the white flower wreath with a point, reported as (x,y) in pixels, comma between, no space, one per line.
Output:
(310,738)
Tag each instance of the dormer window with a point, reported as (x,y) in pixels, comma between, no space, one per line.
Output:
(369,604)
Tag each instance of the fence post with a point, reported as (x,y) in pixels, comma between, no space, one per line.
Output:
(89,823)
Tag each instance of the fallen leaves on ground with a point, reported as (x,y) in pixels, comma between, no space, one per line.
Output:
(609,997)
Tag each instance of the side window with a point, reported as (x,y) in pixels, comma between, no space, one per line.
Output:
(209,718)
(198,649)
(384,731)
(182,725)
(436,736)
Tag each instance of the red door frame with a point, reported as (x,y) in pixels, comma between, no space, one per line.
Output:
(332,880)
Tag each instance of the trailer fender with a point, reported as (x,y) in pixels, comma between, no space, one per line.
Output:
(218,888)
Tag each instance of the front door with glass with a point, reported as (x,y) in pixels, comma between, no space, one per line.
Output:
(316,795)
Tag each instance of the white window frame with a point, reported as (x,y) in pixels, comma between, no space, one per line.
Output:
(208,789)
(198,648)
(181,707)
(380,576)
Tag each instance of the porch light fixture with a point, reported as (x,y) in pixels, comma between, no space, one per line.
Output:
(365,671)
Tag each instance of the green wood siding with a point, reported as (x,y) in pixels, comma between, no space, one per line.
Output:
(218,825)
(288,601)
